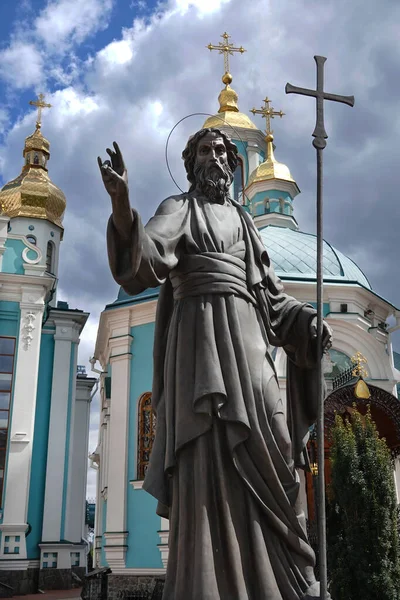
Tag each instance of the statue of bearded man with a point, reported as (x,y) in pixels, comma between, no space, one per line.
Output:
(223,465)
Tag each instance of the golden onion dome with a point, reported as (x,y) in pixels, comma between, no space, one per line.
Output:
(32,194)
(270,168)
(228,112)
(37,141)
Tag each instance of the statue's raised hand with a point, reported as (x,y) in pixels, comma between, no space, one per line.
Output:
(115,179)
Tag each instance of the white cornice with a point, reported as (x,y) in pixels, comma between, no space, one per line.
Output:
(117,322)
(276,219)
(16,287)
(272,184)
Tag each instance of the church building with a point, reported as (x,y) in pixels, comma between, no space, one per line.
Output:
(130,538)
(44,397)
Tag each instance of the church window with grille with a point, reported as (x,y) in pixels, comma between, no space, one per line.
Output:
(7,351)
(50,258)
(147,430)
(238,182)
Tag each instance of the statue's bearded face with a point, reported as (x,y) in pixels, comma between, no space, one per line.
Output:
(212,171)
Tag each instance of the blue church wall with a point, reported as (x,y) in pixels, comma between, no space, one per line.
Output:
(9,318)
(242,148)
(12,259)
(142,521)
(68,436)
(39,450)
(9,327)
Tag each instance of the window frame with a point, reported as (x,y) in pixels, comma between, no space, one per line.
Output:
(144,406)
(4,449)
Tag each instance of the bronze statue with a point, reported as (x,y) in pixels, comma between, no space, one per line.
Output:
(223,465)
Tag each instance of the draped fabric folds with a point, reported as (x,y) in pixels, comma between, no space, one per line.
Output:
(224,457)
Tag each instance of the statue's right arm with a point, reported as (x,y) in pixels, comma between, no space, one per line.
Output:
(148,253)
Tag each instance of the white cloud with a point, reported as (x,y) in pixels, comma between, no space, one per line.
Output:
(21,65)
(202,7)
(117,53)
(63,22)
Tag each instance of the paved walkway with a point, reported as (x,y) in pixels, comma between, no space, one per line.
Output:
(74,594)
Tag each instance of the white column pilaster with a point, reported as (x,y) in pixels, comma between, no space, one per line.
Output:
(164,537)
(4,221)
(253,155)
(77,465)
(66,338)
(15,512)
(116,534)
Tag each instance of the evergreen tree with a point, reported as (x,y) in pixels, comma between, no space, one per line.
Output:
(363,544)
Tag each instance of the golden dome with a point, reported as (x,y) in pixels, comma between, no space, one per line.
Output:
(37,141)
(270,168)
(32,194)
(228,112)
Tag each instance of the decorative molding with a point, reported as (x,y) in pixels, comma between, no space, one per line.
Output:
(276,219)
(16,564)
(28,329)
(115,549)
(20,438)
(281,185)
(133,571)
(137,484)
(31,261)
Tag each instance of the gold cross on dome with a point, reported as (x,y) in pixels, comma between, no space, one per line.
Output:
(359,370)
(226,48)
(39,103)
(268,113)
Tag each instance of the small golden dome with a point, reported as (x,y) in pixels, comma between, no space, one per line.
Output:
(37,141)
(270,168)
(228,112)
(32,194)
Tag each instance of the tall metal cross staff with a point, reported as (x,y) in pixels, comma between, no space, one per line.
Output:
(319,144)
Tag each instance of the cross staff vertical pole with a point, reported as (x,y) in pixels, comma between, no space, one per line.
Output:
(319,143)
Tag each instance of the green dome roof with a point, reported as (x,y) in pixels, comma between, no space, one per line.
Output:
(293,255)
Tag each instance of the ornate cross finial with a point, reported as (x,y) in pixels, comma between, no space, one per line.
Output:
(226,48)
(39,103)
(359,360)
(268,113)
(319,133)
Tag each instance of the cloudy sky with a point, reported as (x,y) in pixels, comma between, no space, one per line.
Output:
(129,70)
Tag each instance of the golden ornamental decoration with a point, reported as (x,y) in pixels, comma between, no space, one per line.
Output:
(361,389)
(268,113)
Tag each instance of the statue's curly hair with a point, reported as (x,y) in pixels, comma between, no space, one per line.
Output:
(189,153)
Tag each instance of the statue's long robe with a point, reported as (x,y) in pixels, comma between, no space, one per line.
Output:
(223,460)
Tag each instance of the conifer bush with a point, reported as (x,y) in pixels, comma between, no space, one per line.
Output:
(363,544)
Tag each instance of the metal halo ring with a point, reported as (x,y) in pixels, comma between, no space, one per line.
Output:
(200,114)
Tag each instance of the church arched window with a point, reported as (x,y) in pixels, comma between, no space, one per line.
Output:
(336,363)
(147,430)
(50,258)
(238,182)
